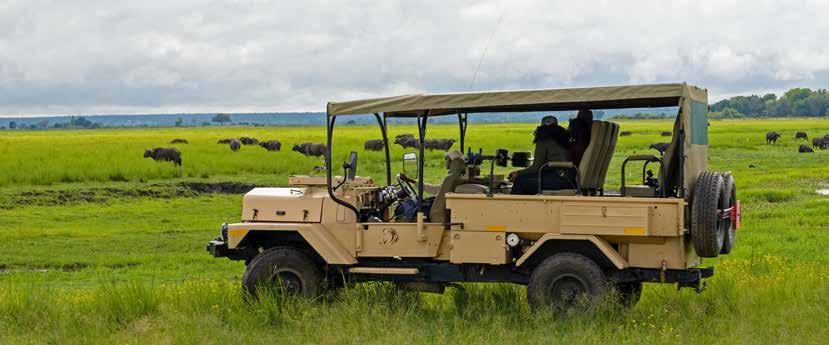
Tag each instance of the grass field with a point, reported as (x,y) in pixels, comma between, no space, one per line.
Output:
(103,246)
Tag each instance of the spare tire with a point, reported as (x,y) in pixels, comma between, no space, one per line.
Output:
(730,193)
(706,232)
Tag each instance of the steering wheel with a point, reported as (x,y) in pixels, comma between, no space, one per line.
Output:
(404,183)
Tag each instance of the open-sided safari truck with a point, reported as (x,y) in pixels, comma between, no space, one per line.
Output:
(563,244)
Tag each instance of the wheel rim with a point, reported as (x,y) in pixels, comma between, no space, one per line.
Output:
(566,289)
(287,280)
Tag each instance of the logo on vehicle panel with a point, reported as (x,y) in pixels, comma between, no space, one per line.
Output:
(389,237)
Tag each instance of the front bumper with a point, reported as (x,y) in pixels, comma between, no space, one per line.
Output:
(690,277)
(218,248)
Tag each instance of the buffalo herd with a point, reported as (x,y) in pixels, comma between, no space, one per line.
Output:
(818,142)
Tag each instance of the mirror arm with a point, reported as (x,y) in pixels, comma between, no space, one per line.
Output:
(330,131)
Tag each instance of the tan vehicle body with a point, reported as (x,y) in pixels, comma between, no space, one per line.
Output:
(648,232)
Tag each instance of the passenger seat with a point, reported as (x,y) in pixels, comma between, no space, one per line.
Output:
(596,160)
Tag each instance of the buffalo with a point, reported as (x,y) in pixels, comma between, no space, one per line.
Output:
(373,145)
(225,141)
(817,142)
(625,133)
(801,135)
(771,137)
(234,144)
(271,145)
(439,144)
(170,154)
(249,141)
(661,147)
(311,149)
(805,149)
(666,134)
(407,141)
(179,141)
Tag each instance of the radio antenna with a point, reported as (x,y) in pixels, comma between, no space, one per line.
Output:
(486,49)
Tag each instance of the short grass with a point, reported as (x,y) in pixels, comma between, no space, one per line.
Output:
(124,267)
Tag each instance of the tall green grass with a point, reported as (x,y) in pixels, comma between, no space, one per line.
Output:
(123,268)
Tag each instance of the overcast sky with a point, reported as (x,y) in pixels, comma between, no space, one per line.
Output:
(107,57)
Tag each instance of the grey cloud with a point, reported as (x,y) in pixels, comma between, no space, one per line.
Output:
(193,56)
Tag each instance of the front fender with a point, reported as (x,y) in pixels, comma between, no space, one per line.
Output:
(315,234)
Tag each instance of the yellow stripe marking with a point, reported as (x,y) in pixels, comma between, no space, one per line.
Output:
(636,231)
(496,228)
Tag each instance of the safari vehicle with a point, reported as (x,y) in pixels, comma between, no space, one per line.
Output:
(564,245)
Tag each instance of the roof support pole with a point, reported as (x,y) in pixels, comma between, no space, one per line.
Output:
(330,133)
(421,129)
(382,123)
(462,121)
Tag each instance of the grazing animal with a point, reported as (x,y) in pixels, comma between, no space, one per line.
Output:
(407,142)
(666,134)
(801,135)
(319,168)
(179,141)
(170,154)
(311,149)
(625,133)
(406,135)
(271,145)
(661,147)
(234,144)
(373,145)
(826,137)
(439,144)
(225,141)
(249,141)
(771,137)
(817,142)
(805,149)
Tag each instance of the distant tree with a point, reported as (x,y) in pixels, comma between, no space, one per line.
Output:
(351,122)
(797,94)
(598,114)
(43,124)
(179,122)
(80,121)
(221,118)
(205,124)
(12,125)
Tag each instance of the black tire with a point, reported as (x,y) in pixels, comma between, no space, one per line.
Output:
(706,232)
(285,270)
(730,200)
(566,281)
(629,293)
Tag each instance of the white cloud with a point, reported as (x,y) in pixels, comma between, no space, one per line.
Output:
(192,55)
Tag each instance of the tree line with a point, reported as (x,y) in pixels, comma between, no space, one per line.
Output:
(795,102)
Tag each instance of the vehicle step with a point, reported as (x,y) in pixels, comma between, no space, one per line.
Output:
(383,270)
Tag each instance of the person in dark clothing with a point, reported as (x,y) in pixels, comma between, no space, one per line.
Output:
(552,144)
(579,129)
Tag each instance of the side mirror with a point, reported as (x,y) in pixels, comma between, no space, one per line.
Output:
(351,166)
(410,159)
(520,159)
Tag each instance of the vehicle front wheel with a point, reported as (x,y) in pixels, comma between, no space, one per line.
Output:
(283,270)
(566,281)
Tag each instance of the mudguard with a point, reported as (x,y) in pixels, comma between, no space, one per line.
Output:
(600,244)
(317,236)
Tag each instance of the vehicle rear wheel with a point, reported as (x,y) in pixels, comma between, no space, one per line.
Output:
(707,230)
(284,270)
(730,192)
(566,281)
(629,293)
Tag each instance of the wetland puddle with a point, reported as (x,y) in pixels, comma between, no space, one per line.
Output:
(824,192)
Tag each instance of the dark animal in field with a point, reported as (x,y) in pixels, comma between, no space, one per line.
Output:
(666,134)
(407,142)
(234,144)
(817,142)
(373,145)
(771,137)
(406,135)
(661,147)
(826,137)
(319,168)
(805,149)
(271,145)
(225,141)
(169,154)
(625,133)
(801,135)
(249,141)
(311,149)
(179,141)
(439,144)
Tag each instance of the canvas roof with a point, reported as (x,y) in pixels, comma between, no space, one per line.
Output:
(605,97)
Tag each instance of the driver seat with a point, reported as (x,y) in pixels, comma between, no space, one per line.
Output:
(454,178)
